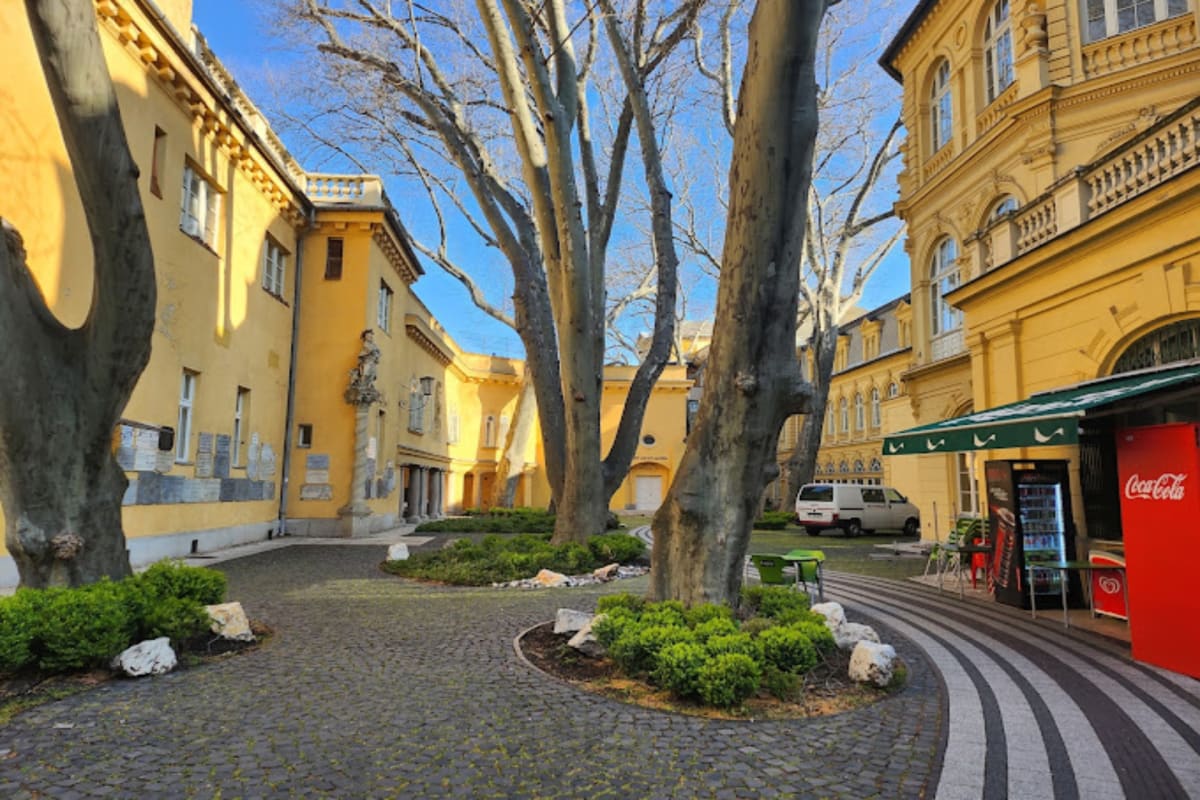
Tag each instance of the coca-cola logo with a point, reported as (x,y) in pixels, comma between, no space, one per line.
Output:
(1168,486)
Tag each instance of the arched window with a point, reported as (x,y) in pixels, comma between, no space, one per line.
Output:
(844,410)
(859,466)
(876,465)
(1002,206)
(998,51)
(860,417)
(830,421)
(829,467)
(817,469)
(893,390)
(1111,17)
(941,116)
(943,272)
(876,414)
(844,466)
(1178,341)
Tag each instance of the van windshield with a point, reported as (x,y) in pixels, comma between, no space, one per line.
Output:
(818,494)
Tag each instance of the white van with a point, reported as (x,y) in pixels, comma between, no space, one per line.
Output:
(855,508)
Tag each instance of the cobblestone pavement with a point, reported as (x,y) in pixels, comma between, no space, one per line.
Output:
(378,687)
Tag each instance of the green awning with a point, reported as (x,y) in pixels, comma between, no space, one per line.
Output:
(1047,418)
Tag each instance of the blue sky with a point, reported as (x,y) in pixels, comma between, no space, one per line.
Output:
(240,35)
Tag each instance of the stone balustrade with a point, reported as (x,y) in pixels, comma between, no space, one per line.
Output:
(1139,46)
(361,190)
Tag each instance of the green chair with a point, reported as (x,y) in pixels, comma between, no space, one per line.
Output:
(808,568)
(770,569)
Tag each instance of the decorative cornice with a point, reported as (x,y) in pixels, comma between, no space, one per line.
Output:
(416,332)
(394,253)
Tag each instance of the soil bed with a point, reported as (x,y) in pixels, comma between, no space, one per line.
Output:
(825,690)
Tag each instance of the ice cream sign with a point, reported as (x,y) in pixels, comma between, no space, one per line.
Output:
(1167,486)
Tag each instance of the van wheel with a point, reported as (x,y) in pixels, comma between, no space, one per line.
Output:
(912,527)
(853,528)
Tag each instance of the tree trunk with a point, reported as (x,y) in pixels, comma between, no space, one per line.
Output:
(59,483)
(802,463)
(512,461)
(753,381)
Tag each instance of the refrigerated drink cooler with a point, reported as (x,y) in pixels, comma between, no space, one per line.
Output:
(1029,521)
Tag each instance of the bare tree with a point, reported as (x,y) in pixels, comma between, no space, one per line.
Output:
(752,381)
(851,226)
(525,171)
(59,482)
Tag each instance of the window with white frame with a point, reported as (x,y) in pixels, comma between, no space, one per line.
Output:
(893,390)
(274,267)
(940,109)
(998,50)
(876,413)
(241,415)
(201,207)
(830,422)
(183,430)
(1002,206)
(860,416)
(1110,17)
(968,495)
(385,306)
(844,411)
(943,273)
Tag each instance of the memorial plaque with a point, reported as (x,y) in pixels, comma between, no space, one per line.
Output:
(149,488)
(125,451)
(316,476)
(170,489)
(316,491)
(372,448)
(166,460)
(204,455)
(221,456)
(210,490)
(316,461)
(252,456)
(268,490)
(266,461)
(228,490)
(145,450)
(193,491)
(241,490)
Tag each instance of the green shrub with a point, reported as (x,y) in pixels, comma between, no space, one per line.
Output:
(788,649)
(678,668)
(178,618)
(636,650)
(496,520)
(703,612)
(619,547)
(756,625)
(728,679)
(174,579)
(611,624)
(666,612)
(818,633)
(773,601)
(739,642)
(717,626)
(84,627)
(18,627)
(774,520)
(624,600)
(782,685)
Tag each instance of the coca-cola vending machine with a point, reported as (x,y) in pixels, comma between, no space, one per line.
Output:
(1159,468)
(1029,519)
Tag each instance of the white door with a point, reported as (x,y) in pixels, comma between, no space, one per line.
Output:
(648,491)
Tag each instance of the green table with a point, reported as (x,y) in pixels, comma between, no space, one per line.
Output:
(1063,567)
(801,557)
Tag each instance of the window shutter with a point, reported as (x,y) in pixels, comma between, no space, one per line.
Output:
(210,218)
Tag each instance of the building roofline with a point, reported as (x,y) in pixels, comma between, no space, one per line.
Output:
(902,35)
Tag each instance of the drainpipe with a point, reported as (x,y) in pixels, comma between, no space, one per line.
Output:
(290,416)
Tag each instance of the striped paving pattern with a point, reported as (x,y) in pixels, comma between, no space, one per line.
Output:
(1035,711)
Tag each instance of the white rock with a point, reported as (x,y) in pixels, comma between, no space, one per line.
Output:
(848,634)
(834,614)
(607,572)
(872,662)
(151,657)
(585,641)
(398,552)
(549,577)
(229,621)
(568,620)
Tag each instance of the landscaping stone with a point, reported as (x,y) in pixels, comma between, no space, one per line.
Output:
(398,552)
(585,641)
(229,621)
(834,614)
(588,579)
(548,577)
(872,662)
(568,620)
(607,572)
(849,634)
(151,657)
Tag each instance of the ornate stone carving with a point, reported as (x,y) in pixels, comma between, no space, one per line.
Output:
(1033,29)
(362,391)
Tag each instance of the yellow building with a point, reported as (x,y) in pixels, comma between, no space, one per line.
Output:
(297,383)
(1051,196)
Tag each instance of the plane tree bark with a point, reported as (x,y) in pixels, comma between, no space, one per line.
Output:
(65,388)
(535,186)
(753,381)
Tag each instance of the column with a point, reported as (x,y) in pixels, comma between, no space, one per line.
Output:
(410,494)
(355,514)
(439,480)
(423,494)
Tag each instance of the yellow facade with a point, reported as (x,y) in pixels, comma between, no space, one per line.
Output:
(1051,209)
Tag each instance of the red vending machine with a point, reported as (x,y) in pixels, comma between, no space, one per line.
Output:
(1159,468)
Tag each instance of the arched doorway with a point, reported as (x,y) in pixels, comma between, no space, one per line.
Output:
(649,485)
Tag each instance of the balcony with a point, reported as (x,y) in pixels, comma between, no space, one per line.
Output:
(946,345)
(1139,46)
(348,190)
(1163,152)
